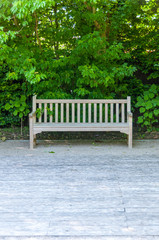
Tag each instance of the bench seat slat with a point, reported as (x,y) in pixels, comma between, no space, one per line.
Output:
(80,125)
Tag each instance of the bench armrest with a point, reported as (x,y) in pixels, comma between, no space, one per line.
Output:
(129,114)
(32,115)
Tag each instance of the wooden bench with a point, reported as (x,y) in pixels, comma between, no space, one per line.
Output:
(59,115)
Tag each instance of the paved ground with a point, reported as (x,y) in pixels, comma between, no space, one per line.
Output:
(68,190)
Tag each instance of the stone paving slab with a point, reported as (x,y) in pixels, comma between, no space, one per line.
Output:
(82,191)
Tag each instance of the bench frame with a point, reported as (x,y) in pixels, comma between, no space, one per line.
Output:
(45,126)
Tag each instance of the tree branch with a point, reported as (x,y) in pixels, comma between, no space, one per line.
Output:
(15,21)
(56,44)
(36,29)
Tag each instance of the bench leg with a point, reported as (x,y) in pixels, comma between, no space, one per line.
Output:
(130,139)
(34,141)
(31,141)
(130,132)
(31,133)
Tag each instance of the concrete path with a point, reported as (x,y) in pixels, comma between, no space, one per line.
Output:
(74,190)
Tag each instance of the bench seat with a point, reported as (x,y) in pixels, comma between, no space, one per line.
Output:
(81,127)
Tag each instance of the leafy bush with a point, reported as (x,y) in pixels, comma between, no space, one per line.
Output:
(77,49)
(148,105)
(18,107)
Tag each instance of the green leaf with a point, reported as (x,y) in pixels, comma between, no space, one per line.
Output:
(149,105)
(140,119)
(27,111)
(146,97)
(146,123)
(139,99)
(146,114)
(3,139)
(151,95)
(17,104)
(7,106)
(142,110)
(156,112)
(21,115)
(22,108)
(153,88)
(15,113)
(150,115)
(24,23)
(24,104)
(23,98)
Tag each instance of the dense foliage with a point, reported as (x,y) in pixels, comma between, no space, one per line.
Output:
(78,49)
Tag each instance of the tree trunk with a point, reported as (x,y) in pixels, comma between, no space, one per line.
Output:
(36,30)
(56,44)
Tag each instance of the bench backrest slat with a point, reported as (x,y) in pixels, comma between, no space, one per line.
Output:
(95,112)
(123,113)
(62,111)
(73,112)
(56,112)
(106,112)
(50,114)
(112,115)
(40,118)
(45,112)
(117,113)
(89,112)
(81,100)
(78,112)
(100,113)
(82,110)
(67,112)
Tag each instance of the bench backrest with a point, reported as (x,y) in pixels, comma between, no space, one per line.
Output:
(81,110)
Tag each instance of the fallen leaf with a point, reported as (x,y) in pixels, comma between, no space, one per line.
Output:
(3,139)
